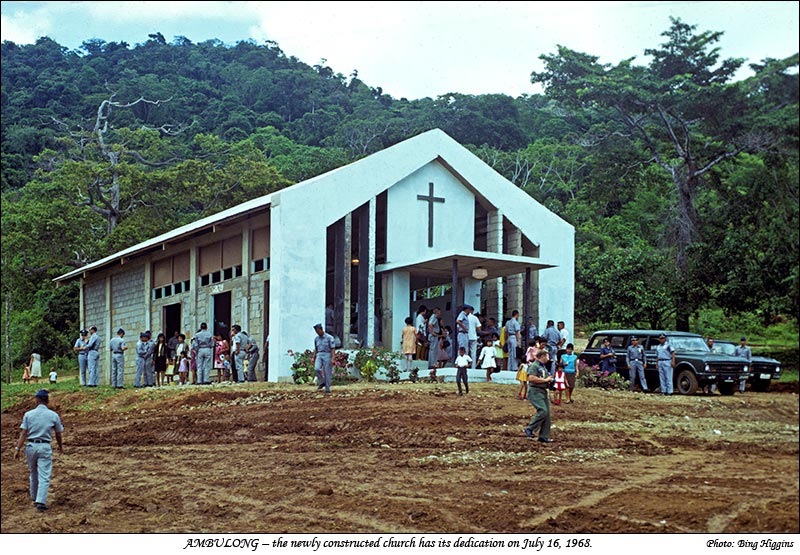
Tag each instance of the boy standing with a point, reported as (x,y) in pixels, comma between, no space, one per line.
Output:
(463,361)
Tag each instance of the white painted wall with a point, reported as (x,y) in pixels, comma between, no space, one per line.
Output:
(407,217)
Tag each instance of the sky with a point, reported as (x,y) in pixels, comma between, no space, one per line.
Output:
(420,49)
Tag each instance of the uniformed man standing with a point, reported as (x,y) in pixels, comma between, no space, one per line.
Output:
(324,349)
(539,380)
(80,348)
(665,355)
(253,354)
(140,379)
(118,348)
(36,428)
(743,351)
(434,334)
(149,361)
(204,343)
(239,351)
(636,362)
(553,337)
(513,339)
(93,357)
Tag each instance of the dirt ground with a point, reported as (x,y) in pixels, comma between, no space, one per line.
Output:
(374,458)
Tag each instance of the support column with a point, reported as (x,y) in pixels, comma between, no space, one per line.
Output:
(513,290)
(373,230)
(494,287)
(148,293)
(526,311)
(339,264)
(193,286)
(246,274)
(347,301)
(454,309)
(396,292)
(82,304)
(366,273)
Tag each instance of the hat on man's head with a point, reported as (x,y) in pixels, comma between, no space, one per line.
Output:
(468,307)
(120,331)
(143,334)
(317,326)
(743,338)
(84,332)
(634,338)
(662,336)
(42,394)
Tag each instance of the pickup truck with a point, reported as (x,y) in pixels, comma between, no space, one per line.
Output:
(762,370)
(695,365)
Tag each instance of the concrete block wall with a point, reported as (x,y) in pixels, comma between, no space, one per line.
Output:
(128,302)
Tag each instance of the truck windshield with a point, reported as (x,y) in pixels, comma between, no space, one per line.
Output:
(724,348)
(680,343)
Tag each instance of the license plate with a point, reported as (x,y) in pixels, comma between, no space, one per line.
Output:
(766,376)
(728,380)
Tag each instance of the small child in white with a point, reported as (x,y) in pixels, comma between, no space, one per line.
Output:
(463,361)
(487,360)
(53,375)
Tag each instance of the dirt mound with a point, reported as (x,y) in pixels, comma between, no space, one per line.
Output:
(281,458)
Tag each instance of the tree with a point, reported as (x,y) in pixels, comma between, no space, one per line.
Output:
(684,112)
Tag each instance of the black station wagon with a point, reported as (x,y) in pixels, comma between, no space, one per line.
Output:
(695,365)
(762,370)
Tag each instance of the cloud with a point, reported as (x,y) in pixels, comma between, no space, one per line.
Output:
(25,27)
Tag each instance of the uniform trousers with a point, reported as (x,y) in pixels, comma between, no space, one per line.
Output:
(117,369)
(93,363)
(541,420)
(150,371)
(82,365)
(512,353)
(40,463)
(240,375)
(323,368)
(637,369)
(473,351)
(140,379)
(205,360)
(665,375)
(253,357)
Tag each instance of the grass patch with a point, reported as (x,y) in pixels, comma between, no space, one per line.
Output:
(16,393)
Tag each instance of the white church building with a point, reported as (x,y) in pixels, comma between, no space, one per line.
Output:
(422,222)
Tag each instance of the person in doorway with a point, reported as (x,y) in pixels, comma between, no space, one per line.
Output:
(220,349)
(36,432)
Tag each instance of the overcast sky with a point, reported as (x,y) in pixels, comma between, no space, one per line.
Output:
(418,49)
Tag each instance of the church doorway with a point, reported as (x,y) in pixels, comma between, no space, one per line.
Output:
(222,314)
(171,319)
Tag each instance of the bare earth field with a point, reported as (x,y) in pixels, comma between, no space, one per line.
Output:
(370,458)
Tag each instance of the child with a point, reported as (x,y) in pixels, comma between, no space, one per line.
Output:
(570,361)
(487,360)
(26,374)
(560,381)
(408,339)
(533,348)
(183,367)
(498,348)
(522,378)
(463,361)
(53,375)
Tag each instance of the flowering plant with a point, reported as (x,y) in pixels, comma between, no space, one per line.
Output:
(303,367)
(371,359)
(341,369)
(592,376)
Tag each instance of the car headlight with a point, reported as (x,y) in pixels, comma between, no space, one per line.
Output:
(746,368)
(777,369)
(708,368)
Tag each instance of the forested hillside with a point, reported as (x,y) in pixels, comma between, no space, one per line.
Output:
(682,183)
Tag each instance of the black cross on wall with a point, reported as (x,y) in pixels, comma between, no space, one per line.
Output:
(430,199)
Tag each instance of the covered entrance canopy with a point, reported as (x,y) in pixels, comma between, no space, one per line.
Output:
(464,270)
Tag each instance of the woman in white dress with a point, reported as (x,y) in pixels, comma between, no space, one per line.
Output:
(36,367)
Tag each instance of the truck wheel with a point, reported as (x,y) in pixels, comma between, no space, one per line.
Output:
(686,384)
(761,385)
(727,388)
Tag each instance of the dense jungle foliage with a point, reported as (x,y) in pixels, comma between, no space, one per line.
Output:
(682,183)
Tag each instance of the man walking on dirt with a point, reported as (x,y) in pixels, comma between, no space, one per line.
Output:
(324,349)
(37,425)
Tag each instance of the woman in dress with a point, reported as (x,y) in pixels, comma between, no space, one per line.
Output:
(220,348)
(36,367)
